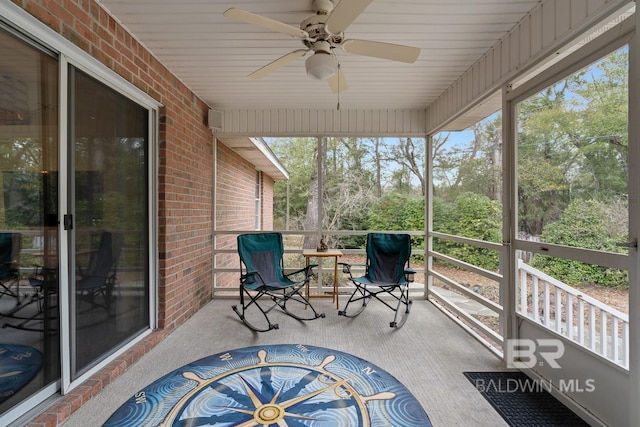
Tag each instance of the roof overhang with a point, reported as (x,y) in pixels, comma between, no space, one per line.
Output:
(257,152)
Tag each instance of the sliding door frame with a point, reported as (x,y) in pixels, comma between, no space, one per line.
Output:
(70,54)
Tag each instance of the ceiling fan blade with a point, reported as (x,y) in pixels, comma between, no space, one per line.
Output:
(394,52)
(261,21)
(344,14)
(278,63)
(337,82)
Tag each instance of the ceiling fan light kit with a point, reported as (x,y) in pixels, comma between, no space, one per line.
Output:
(321,34)
(321,65)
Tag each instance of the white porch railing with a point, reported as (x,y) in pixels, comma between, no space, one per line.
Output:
(574,315)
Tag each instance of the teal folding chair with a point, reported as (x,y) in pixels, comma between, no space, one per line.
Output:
(265,286)
(387,277)
(10,246)
(100,276)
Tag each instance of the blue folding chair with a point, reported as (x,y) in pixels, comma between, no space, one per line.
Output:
(263,279)
(387,277)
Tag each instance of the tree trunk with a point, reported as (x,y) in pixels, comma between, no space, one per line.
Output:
(313,219)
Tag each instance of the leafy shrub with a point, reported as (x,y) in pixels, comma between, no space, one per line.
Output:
(584,224)
(396,211)
(474,216)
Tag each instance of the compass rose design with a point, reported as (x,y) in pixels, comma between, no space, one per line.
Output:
(280,386)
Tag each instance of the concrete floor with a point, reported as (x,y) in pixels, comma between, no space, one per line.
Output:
(428,355)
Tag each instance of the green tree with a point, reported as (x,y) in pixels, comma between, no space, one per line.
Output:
(572,142)
(297,156)
(471,166)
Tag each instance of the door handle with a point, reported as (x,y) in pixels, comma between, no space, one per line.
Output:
(68,222)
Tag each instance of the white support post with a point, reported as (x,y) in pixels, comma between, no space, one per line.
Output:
(634,225)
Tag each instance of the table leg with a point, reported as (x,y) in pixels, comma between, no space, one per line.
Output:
(307,285)
(335,281)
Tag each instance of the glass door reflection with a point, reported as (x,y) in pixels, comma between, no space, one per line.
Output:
(110,291)
(29,253)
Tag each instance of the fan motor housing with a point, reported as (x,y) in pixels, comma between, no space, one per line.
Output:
(323,7)
(317,30)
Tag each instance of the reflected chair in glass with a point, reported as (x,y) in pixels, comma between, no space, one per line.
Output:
(264,284)
(44,283)
(10,246)
(99,278)
(387,277)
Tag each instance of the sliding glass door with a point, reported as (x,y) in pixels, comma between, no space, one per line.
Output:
(110,289)
(74,222)
(29,250)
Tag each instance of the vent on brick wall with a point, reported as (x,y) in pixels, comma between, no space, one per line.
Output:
(215,119)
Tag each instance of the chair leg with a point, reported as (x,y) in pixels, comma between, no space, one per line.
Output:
(294,304)
(252,314)
(402,309)
(359,298)
(6,289)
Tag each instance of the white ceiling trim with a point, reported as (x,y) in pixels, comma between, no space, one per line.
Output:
(552,29)
(309,122)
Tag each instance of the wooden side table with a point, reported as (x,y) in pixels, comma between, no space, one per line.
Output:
(329,253)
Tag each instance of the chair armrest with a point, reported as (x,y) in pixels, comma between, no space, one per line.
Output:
(308,271)
(249,276)
(346,267)
(409,274)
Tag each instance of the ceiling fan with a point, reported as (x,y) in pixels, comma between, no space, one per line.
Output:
(321,34)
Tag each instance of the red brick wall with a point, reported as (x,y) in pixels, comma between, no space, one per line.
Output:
(235,191)
(185,151)
(267,202)
(235,206)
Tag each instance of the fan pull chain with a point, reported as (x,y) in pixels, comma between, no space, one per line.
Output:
(338,106)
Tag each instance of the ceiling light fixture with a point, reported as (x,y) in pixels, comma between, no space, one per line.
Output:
(322,64)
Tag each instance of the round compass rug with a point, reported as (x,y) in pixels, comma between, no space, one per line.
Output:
(274,385)
(18,365)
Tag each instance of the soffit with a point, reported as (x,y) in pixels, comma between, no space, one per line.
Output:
(213,55)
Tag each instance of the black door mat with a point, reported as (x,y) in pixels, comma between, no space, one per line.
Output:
(522,401)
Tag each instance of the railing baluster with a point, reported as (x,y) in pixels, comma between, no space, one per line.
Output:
(569,316)
(581,321)
(603,333)
(592,328)
(625,344)
(615,341)
(536,299)
(558,306)
(524,309)
(547,304)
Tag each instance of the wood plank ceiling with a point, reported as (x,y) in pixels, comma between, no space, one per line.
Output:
(213,54)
